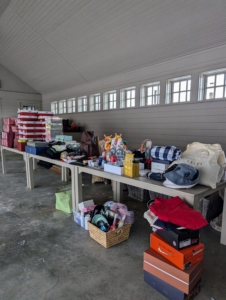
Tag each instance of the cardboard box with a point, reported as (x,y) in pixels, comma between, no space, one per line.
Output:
(37,144)
(159,166)
(180,239)
(33,150)
(84,204)
(113,169)
(160,267)
(169,291)
(181,258)
(63,138)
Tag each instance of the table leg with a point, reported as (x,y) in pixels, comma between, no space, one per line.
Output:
(223,230)
(76,184)
(34,163)
(63,173)
(4,170)
(30,172)
(117,191)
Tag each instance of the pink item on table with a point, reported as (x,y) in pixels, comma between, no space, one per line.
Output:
(7,128)
(14,128)
(8,121)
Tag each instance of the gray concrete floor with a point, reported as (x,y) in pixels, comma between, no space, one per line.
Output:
(44,254)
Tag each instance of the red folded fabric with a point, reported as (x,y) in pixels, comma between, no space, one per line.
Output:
(176,211)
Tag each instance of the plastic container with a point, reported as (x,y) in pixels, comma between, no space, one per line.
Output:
(21,145)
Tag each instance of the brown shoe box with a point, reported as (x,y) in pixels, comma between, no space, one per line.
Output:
(183,280)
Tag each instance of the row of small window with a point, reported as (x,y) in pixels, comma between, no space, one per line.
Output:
(212,85)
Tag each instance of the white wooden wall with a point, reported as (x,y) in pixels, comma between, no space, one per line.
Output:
(175,124)
(13,91)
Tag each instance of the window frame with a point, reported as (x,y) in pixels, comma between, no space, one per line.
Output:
(71,105)
(83,104)
(55,110)
(124,99)
(62,108)
(170,92)
(203,85)
(144,95)
(107,101)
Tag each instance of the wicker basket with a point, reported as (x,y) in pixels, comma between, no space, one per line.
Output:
(109,239)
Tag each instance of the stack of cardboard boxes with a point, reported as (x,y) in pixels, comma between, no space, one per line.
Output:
(9,132)
(174,262)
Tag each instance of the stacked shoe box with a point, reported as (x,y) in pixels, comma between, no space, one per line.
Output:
(29,125)
(7,133)
(173,264)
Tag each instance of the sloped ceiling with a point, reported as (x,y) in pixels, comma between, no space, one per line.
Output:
(56,44)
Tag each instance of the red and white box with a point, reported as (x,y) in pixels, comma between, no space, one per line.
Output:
(27,118)
(6,143)
(7,128)
(45,114)
(14,128)
(31,130)
(8,121)
(15,143)
(5,135)
(26,124)
(24,112)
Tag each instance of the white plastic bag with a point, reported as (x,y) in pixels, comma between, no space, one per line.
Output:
(208,159)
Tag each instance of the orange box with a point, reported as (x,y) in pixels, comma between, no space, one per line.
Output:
(181,258)
(183,280)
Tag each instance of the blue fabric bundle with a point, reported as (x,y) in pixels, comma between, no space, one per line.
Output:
(170,153)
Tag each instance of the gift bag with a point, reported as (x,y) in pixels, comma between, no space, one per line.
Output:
(208,159)
(64,199)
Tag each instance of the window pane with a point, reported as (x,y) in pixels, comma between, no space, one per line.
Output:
(114,105)
(175,97)
(128,103)
(188,96)
(111,97)
(127,94)
(111,105)
(133,94)
(149,102)
(176,86)
(183,85)
(219,92)
(210,93)
(189,85)
(183,97)
(149,91)
(220,79)
(156,89)
(133,102)
(210,81)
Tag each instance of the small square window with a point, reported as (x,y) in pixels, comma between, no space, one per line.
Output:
(94,102)
(82,104)
(178,90)
(109,100)
(150,94)
(212,85)
(62,107)
(128,97)
(71,105)
(54,107)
